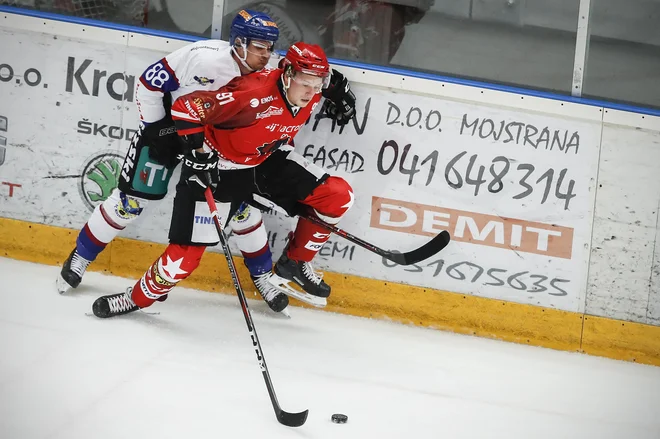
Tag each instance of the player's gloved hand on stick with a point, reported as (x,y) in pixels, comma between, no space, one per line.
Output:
(163,142)
(340,100)
(202,170)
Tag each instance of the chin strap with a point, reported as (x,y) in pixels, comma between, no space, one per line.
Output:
(243,58)
(286,83)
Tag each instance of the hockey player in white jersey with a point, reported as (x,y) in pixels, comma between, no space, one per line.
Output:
(204,65)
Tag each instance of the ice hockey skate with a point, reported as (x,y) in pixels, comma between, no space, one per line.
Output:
(315,291)
(114,304)
(72,272)
(274,296)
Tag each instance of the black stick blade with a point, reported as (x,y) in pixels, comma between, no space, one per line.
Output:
(432,247)
(292,419)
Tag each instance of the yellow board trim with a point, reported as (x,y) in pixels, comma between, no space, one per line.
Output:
(621,340)
(372,298)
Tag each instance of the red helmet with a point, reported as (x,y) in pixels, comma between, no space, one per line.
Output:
(307,58)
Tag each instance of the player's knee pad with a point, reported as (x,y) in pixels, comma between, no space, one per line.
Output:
(331,199)
(248,228)
(114,214)
(252,239)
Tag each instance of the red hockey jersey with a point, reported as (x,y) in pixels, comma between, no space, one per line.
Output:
(244,121)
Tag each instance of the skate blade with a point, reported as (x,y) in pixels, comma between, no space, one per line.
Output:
(154,313)
(287,289)
(61,285)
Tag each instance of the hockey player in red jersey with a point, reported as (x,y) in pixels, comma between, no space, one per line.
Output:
(238,140)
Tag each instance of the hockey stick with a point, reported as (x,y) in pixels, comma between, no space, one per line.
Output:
(285,418)
(432,247)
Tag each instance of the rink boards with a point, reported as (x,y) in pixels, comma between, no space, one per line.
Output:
(552,205)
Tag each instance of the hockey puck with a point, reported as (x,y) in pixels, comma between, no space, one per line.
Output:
(338,418)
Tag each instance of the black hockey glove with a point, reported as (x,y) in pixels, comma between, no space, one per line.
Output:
(200,169)
(163,142)
(340,100)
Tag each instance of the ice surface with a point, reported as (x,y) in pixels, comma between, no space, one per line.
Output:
(191,372)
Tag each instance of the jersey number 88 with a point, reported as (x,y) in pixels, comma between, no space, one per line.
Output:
(157,75)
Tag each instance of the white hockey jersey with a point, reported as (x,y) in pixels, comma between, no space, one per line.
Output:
(204,65)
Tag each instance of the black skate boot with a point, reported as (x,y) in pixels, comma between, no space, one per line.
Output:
(114,305)
(72,272)
(303,275)
(276,299)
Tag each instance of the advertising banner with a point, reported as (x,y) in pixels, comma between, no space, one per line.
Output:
(514,189)
(69,114)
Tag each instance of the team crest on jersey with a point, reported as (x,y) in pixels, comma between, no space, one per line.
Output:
(270,147)
(203,80)
(271,111)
